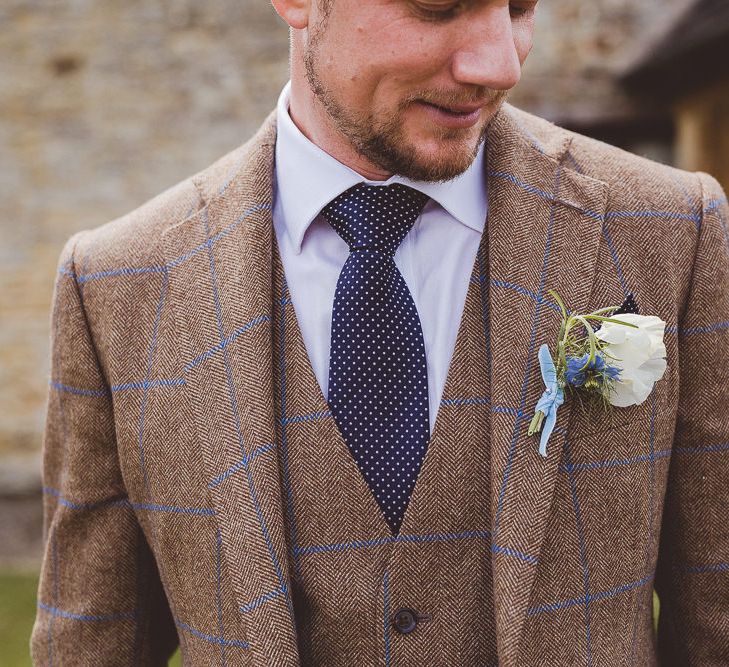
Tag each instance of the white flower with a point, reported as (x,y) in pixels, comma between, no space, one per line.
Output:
(638,353)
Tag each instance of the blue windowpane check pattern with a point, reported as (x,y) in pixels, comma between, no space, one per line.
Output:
(378,378)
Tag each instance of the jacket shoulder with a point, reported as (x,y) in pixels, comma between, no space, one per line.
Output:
(135,238)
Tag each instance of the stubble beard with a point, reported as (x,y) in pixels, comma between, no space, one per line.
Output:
(384,143)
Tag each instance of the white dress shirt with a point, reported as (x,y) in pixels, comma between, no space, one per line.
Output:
(435,258)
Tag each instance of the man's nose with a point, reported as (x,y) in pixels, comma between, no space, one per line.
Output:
(487,54)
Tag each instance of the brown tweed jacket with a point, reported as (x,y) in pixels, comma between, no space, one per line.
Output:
(165,504)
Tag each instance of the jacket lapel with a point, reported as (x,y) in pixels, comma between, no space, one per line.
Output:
(219,263)
(544,228)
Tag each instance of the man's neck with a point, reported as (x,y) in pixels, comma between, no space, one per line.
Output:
(314,123)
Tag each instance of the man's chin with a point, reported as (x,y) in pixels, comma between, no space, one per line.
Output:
(419,150)
(437,153)
(438,170)
(440,160)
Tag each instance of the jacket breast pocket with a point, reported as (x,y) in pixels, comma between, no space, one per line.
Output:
(609,501)
(589,420)
(620,440)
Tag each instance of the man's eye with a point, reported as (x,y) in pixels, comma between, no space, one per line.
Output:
(438,10)
(522,10)
(441,10)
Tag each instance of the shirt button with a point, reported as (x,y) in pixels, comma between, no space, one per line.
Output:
(405,620)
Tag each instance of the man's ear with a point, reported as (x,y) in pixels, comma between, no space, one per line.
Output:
(294,12)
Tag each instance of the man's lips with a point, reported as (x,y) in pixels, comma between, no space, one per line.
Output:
(457,108)
(453,116)
(462,109)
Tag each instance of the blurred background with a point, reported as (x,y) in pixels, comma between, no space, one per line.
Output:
(104,104)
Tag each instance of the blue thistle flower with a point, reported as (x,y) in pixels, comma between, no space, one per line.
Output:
(576,375)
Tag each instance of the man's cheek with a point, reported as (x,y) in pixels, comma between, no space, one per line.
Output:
(524,40)
(524,45)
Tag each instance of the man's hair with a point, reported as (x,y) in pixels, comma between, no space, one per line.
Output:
(325,6)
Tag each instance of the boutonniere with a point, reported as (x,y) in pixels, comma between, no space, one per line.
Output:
(615,365)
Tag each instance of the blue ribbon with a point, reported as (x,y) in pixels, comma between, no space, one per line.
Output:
(551,399)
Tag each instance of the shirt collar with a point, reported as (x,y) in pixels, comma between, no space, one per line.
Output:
(308,178)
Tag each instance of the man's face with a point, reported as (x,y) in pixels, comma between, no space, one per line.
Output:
(413,84)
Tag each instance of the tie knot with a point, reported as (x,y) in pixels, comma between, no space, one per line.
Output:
(375,217)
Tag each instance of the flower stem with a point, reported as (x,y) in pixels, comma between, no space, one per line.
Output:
(559,301)
(610,319)
(536,423)
(564,337)
(592,339)
(599,311)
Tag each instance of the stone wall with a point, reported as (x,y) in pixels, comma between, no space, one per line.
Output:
(105,104)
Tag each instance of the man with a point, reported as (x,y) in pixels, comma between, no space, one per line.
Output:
(249,370)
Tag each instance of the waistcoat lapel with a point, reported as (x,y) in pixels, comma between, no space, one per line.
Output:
(544,227)
(219,266)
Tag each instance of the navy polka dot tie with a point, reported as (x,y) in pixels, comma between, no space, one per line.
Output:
(378,378)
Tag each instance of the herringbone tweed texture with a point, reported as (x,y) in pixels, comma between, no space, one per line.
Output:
(197,492)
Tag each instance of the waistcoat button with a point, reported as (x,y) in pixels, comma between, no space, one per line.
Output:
(405,620)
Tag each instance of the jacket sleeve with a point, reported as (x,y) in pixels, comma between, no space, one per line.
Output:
(692,574)
(100,600)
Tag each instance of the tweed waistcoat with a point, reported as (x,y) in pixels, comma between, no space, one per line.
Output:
(350,574)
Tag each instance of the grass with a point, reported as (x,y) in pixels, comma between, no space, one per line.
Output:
(17,612)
